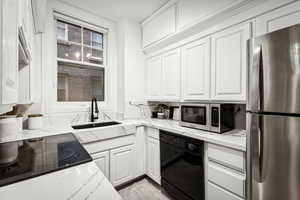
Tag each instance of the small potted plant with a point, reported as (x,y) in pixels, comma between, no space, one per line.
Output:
(160,108)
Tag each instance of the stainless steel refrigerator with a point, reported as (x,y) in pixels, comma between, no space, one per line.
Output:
(273,157)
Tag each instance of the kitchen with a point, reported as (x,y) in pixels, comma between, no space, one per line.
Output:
(161,99)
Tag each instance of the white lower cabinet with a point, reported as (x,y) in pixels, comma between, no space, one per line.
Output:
(216,193)
(153,155)
(102,161)
(122,161)
(226,178)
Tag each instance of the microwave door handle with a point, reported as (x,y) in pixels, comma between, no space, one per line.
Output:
(257,91)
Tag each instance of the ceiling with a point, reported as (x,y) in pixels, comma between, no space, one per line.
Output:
(136,10)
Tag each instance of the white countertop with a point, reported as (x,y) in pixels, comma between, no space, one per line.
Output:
(84,181)
(235,139)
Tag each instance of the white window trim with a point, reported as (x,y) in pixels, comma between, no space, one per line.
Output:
(52,105)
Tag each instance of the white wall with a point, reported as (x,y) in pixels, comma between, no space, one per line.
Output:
(132,64)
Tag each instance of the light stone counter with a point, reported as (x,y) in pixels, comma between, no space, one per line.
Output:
(235,139)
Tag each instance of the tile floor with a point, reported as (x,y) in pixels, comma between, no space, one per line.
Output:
(143,190)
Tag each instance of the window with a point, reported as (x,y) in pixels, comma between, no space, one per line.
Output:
(80,62)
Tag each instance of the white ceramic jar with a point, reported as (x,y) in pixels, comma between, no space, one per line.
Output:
(8,127)
(35,122)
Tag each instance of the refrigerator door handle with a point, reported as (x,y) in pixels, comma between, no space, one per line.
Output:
(257,150)
(257,89)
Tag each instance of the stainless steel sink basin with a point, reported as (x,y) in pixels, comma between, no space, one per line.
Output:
(95,125)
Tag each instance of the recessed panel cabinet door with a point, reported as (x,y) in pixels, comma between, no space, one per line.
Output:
(9,51)
(171,75)
(196,70)
(154,75)
(278,19)
(153,159)
(229,63)
(122,164)
(102,161)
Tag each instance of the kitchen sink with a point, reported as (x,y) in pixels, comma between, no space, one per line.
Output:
(95,125)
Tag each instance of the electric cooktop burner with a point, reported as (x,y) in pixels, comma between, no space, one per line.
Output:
(39,157)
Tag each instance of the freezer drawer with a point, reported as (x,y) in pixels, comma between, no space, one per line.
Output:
(227,179)
(274,157)
(226,156)
(216,193)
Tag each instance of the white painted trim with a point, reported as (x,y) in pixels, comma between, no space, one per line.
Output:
(79,22)
(51,105)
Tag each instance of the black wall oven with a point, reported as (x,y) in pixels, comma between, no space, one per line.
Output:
(182,166)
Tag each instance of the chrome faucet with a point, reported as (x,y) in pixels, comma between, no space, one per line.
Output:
(94,113)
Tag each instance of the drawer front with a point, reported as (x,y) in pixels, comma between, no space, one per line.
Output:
(227,179)
(105,145)
(153,132)
(216,193)
(226,156)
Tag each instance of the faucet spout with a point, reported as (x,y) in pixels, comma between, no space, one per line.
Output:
(94,110)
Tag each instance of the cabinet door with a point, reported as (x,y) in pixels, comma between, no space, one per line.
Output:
(196,70)
(229,63)
(154,72)
(153,159)
(171,75)
(159,26)
(9,51)
(102,161)
(122,164)
(278,19)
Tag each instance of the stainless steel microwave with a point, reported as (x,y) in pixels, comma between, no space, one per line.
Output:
(217,118)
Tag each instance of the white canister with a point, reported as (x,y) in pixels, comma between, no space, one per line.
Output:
(35,122)
(8,127)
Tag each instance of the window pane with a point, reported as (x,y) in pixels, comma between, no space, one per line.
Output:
(60,33)
(68,51)
(74,33)
(92,38)
(92,55)
(77,83)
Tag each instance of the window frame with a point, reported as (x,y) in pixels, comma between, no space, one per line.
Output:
(71,106)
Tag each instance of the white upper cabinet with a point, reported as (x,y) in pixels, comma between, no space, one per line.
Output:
(9,51)
(171,75)
(191,12)
(278,19)
(196,70)
(159,26)
(163,76)
(229,63)
(154,72)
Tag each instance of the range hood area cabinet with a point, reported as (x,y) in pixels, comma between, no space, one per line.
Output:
(9,51)
(211,68)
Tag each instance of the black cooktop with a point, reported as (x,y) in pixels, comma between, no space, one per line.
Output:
(43,155)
